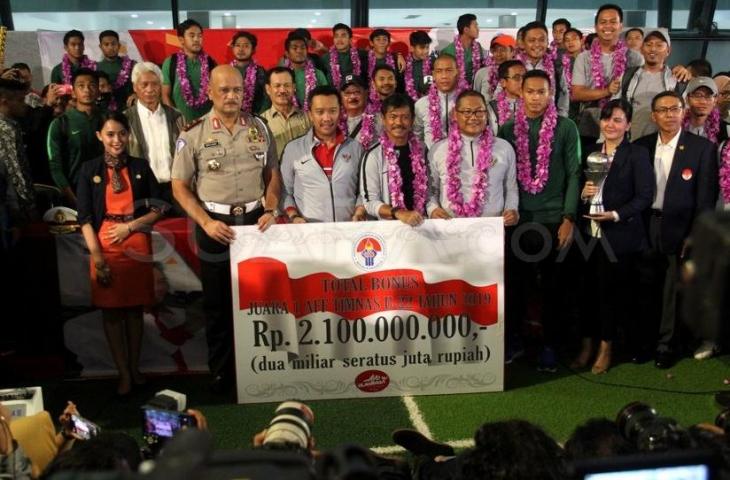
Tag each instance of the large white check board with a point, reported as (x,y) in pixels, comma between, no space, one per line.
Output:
(368,309)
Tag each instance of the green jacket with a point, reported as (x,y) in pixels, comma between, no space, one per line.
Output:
(559,197)
(71,141)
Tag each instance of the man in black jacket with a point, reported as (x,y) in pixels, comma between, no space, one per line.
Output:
(685,167)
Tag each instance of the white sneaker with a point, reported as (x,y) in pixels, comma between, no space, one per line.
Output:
(707,350)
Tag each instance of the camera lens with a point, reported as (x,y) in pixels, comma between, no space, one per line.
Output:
(291,426)
(632,417)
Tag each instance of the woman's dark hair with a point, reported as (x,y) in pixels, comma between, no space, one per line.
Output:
(118,117)
(621,104)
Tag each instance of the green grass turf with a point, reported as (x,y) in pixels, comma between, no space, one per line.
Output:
(558,402)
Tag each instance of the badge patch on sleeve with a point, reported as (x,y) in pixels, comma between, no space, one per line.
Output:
(180,144)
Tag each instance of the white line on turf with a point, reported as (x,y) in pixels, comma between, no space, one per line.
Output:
(416,416)
(394,449)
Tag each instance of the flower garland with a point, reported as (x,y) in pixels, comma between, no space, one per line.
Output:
(310,82)
(434,113)
(567,71)
(476,60)
(342,123)
(395,179)
(411,89)
(367,131)
(480,182)
(185,87)
(249,84)
(548,63)
(530,184)
(619,66)
(725,172)
(85,62)
(372,62)
(335,65)
(493,70)
(504,112)
(712,124)
(124,73)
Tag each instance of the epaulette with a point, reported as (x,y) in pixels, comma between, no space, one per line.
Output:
(192,124)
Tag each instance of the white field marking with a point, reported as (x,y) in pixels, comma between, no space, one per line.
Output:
(416,416)
(395,449)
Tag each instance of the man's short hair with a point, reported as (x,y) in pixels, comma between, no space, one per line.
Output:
(503,70)
(398,100)
(700,67)
(20,66)
(342,26)
(379,32)
(323,91)
(635,29)
(419,37)
(464,21)
(247,35)
(301,32)
(108,33)
(470,93)
(9,88)
(562,21)
(520,33)
(610,6)
(293,38)
(144,67)
(384,66)
(574,30)
(276,70)
(536,74)
(85,72)
(187,25)
(72,34)
(445,56)
(666,93)
(534,25)
(102,74)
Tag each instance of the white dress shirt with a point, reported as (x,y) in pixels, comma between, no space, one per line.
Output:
(663,158)
(156,136)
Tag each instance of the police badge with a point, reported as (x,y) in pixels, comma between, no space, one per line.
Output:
(214,165)
(254,136)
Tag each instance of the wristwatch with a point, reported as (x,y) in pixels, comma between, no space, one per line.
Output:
(273,211)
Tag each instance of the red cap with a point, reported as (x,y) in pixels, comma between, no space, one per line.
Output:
(504,40)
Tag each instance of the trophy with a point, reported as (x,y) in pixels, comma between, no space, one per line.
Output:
(597,168)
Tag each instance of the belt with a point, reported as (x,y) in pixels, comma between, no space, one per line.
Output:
(118,218)
(656,213)
(236,210)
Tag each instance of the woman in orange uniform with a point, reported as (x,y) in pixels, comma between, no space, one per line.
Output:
(117,203)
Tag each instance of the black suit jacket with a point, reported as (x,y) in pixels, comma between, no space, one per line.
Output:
(691,188)
(91,195)
(628,190)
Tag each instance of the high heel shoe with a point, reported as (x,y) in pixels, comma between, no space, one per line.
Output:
(584,356)
(603,361)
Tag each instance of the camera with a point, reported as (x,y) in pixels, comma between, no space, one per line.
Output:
(641,425)
(84,428)
(162,417)
(291,427)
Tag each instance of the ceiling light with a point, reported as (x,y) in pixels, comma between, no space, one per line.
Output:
(317,14)
(134,15)
(227,14)
(150,22)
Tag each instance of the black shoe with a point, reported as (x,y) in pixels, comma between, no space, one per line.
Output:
(418,444)
(665,360)
(221,384)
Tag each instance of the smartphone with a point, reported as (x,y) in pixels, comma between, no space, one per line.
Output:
(84,428)
(65,89)
(164,423)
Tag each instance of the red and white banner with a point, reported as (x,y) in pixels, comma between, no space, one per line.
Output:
(343,310)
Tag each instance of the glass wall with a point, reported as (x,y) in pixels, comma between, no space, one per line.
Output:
(722,14)
(638,13)
(442,13)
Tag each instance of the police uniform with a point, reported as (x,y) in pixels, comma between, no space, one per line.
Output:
(227,172)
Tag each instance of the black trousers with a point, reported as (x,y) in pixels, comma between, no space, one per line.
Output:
(215,273)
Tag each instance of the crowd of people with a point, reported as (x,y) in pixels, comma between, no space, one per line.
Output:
(598,156)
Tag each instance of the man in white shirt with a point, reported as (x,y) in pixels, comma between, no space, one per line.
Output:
(154,127)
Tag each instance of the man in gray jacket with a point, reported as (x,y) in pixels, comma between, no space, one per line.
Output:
(154,126)
(319,169)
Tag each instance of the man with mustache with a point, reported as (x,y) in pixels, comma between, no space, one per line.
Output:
(285,120)
(354,97)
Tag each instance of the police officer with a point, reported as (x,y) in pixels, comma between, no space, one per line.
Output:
(225,172)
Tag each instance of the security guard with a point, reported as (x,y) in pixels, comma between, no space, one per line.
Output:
(225,172)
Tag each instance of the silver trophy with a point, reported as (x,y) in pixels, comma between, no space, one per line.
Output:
(597,168)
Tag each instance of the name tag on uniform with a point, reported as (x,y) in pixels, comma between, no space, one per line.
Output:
(211,143)
(257,148)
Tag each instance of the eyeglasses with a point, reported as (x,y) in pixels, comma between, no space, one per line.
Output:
(666,110)
(472,113)
(516,77)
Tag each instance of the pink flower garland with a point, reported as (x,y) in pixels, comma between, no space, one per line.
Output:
(504,113)
(86,62)
(395,179)
(725,172)
(493,70)
(249,84)
(434,113)
(372,62)
(310,82)
(335,65)
(476,60)
(367,132)
(185,87)
(619,66)
(124,73)
(342,122)
(534,185)
(480,182)
(712,124)
(410,83)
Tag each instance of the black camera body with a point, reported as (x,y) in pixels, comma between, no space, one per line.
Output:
(641,425)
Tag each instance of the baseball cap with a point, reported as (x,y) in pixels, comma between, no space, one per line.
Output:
(699,82)
(353,80)
(656,33)
(503,40)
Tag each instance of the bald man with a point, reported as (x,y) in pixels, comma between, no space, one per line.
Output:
(230,156)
